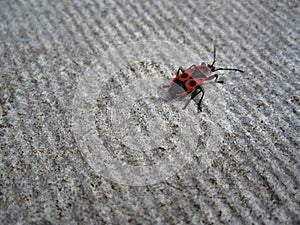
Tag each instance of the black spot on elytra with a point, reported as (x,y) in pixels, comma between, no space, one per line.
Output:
(192,83)
(184,75)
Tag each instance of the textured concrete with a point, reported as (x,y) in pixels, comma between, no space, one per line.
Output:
(80,145)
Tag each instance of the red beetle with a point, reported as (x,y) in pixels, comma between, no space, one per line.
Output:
(190,80)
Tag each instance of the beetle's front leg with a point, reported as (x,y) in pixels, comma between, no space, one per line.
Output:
(216,76)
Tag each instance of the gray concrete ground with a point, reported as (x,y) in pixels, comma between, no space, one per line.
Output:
(89,136)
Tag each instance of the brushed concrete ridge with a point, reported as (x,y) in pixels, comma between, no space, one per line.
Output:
(89,134)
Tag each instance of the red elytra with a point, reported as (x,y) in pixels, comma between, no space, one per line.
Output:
(190,80)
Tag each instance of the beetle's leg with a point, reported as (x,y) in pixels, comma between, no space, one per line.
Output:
(216,76)
(199,103)
(191,66)
(180,69)
(194,94)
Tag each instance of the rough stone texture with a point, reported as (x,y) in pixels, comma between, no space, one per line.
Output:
(251,174)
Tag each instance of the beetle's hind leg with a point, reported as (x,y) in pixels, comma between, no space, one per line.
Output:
(200,101)
(197,91)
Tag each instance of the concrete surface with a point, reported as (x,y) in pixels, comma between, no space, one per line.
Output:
(89,136)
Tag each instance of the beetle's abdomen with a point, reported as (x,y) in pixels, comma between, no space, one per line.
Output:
(177,88)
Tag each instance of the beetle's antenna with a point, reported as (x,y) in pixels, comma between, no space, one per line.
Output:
(229,69)
(211,66)
(214,56)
